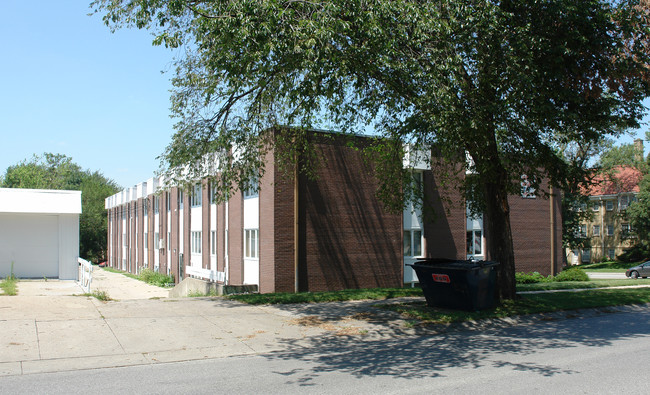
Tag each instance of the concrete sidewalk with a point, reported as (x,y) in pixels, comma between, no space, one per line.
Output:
(46,329)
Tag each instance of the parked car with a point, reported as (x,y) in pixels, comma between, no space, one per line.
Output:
(641,270)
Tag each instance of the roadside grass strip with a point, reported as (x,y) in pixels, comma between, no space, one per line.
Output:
(148,276)
(328,296)
(597,283)
(526,304)
(607,267)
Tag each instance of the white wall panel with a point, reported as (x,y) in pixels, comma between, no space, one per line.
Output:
(68,246)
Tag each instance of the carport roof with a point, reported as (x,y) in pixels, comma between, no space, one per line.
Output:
(39,201)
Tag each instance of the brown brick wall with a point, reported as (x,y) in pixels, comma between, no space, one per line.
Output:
(162,229)
(444,219)
(347,239)
(141,228)
(267,228)
(284,233)
(531,234)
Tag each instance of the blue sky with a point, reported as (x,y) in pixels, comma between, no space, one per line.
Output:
(70,86)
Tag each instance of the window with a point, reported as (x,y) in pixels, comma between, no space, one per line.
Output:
(251,191)
(611,253)
(212,192)
(474,242)
(583,206)
(583,231)
(595,206)
(124,240)
(213,242)
(169,241)
(146,239)
(413,242)
(625,201)
(123,213)
(196,242)
(610,230)
(145,206)
(626,231)
(609,205)
(196,196)
(156,205)
(156,240)
(596,230)
(168,199)
(586,256)
(251,243)
(180,199)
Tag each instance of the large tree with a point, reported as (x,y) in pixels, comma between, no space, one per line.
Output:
(506,81)
(56,171)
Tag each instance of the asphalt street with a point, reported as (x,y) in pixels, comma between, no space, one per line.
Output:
(605,351)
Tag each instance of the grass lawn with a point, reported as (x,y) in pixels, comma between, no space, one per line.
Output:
(581,284)
(328,296)
(148,276)
(527,304)
(607,267)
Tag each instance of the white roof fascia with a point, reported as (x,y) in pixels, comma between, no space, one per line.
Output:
(39,201)
(416,158)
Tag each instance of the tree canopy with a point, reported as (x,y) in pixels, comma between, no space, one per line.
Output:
(56,171)
(507,82)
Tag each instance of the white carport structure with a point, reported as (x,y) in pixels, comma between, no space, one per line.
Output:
(39,233)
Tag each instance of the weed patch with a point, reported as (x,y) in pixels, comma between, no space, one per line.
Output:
(9,285)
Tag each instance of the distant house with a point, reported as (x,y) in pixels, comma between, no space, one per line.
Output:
(39,233)
(609,230)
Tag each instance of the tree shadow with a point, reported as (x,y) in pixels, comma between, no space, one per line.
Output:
(429,354)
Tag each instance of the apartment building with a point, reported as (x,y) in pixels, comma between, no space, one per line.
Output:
(326,233)
(608,230)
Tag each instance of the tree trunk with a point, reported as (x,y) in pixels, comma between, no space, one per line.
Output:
(499,234)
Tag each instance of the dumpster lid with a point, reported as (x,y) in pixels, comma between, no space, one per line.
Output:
(455,264)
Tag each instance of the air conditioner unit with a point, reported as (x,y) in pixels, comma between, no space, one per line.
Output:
(161,244)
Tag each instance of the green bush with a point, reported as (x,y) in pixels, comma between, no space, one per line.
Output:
(572,274)
(159,279)
(531,278)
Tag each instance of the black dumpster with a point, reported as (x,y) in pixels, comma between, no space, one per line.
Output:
(457,284)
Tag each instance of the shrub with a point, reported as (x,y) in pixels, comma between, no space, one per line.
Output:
(159,279)
(530,278)
(572,274)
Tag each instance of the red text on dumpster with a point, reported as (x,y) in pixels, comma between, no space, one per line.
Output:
(441,278)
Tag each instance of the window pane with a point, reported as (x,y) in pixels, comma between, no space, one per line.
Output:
(407,243)
(477,242)
(417,243)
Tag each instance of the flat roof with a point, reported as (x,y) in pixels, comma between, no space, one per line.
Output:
(40,201)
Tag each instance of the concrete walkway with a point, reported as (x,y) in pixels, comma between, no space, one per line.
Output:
(49,327)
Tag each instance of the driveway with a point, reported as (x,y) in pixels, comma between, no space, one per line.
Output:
(52,326)
(606,276)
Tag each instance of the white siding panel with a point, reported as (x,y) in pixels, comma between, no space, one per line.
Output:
(31,242)
(68,246)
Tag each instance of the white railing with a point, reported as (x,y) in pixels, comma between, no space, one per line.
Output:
(86,274)
(204,273)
